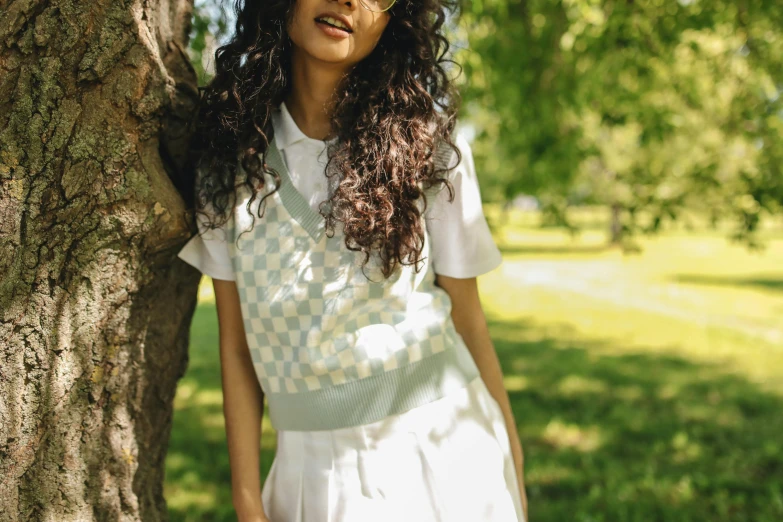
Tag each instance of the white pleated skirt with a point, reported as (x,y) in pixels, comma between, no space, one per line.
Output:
(446,461)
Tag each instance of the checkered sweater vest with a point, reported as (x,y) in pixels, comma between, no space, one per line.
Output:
(334,345)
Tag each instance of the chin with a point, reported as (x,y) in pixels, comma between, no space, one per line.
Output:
(338,54)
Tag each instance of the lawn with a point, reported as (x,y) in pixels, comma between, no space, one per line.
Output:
(645,387)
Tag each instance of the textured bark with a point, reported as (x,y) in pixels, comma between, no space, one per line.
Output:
(94,305)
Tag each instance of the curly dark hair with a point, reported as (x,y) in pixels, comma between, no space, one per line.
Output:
(393,111)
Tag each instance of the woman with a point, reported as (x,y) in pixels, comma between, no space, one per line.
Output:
(344,264)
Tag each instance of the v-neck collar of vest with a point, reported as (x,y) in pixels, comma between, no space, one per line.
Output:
(293,200)
(296,204)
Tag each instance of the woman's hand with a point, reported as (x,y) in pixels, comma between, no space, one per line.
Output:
(523,496)
(255,517)
(250,511)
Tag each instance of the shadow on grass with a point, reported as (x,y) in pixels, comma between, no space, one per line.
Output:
(611,436)
(772,284)
(198,475)
(608,436)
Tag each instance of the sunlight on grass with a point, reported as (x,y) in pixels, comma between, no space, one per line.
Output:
(208,398)
(591,310)
(514,382)
(185,391)
(188,500)
(177,461)
(214,421)
(206,292)
(577,385)
(685,450)
(561,435)
(682,491)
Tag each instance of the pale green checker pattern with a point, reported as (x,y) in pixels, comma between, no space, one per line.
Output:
(305,305)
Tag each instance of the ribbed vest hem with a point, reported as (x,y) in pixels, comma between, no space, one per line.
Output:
(372,398)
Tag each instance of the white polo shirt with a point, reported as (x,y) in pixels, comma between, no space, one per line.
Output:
(461,242)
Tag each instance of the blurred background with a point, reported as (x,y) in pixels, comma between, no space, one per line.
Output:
(630,157)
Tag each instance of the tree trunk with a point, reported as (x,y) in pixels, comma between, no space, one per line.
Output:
(95,307)
(616,225)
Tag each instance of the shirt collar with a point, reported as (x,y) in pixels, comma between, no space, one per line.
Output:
(287,132)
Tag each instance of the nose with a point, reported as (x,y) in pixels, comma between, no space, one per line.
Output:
(350,4)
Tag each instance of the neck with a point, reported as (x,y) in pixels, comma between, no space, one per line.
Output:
(311,97)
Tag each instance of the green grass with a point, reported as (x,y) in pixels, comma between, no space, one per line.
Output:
(645,387)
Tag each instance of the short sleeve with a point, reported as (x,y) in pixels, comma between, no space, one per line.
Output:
(208,251)
(462,245)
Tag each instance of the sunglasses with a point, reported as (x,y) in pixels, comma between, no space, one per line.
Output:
(377,6)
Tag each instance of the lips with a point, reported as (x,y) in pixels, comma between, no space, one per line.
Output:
(331,14)
(323,22)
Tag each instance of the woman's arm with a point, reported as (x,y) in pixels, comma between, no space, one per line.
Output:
(243,405)
(471,324)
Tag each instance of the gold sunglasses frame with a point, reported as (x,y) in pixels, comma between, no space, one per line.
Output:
(381,11)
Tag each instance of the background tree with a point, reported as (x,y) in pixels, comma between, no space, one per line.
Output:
(650,107)
(94,306)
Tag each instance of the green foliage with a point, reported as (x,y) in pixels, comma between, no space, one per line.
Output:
(654,105)
(210,25)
